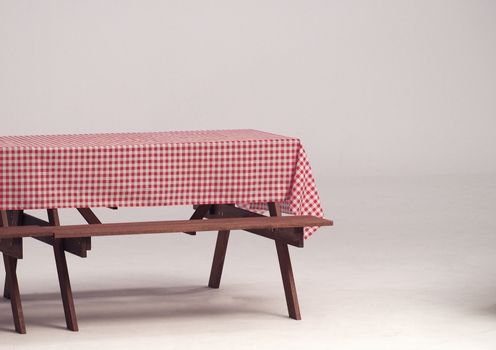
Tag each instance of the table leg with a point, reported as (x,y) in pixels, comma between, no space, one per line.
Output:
(288,280)
(11,284)
(65,285)
(14,220)
(286,270)
(15,297)
(218,261)
(63,274)
(6,288)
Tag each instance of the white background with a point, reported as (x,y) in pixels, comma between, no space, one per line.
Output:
(395,102)
(371,87)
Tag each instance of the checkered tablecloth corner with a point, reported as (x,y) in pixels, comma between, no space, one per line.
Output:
(303,197)
(157,169)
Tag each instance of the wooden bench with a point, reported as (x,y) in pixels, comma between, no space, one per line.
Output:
(76,239)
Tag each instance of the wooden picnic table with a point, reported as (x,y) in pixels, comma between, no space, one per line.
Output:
(229,177)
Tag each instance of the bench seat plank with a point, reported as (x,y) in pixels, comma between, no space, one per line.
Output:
(170,226)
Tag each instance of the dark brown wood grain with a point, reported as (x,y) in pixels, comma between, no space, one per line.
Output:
(11,247)
(218,260)
(63,274)
(292,236)
(15,297)
(89,216)
(77,246)
(286,270)
(276,224)
(6,287)
(200,212)
(284,230)
(68,231)
(92,219)
(274,209)
(186,225)
(288,280)
(10,264)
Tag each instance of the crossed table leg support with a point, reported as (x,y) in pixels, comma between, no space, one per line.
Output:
(282,253)
(76,239)
(12,251)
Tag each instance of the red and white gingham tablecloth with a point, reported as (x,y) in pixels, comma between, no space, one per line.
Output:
(246,167)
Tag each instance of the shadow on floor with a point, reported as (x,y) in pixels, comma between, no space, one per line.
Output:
(45,309)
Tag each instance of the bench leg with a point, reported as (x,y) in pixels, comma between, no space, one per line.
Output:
(218,261)
(6,288)
(11,287)
(14,220)
(13,293)
(288,280)
(65,285)
(286,269)
(63,274)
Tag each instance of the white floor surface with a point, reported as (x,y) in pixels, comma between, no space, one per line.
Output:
(409,264)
